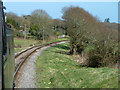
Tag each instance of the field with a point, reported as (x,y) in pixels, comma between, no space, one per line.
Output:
(21,44)
(55,68)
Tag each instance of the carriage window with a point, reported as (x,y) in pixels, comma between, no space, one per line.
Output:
(4,36)
(5,42)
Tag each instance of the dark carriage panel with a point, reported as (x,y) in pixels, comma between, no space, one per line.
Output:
(6,53)
(9,60)
(1,47)
(0,59)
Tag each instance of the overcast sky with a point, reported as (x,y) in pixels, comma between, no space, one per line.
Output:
(101,10)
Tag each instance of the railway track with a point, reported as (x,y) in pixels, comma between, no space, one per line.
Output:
(21,57)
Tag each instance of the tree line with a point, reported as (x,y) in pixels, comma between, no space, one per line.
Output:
(39,25)
(95,40)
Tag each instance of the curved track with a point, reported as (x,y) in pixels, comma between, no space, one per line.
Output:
(21,57)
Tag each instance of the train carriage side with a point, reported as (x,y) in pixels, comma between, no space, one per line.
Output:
(1,58)
(1,48)
(9,62)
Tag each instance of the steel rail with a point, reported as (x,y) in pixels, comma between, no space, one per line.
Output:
(18,66)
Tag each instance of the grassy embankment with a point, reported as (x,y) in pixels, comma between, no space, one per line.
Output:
(21,44)
(55,68)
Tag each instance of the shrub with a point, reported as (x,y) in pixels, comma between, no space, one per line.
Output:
(94,59)
(19,34)
(89,35)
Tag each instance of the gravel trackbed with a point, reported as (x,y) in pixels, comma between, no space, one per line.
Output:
(27,71)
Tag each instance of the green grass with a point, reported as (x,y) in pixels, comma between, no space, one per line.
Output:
(54,40)
(55,68)
(23,43)
(26,43)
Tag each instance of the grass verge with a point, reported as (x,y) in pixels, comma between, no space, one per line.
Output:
(55,68)
(21,44)
(24,44)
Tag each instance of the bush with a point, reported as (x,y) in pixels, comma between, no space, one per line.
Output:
(91,36)
(101,55)
(94,59)
(19,34)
